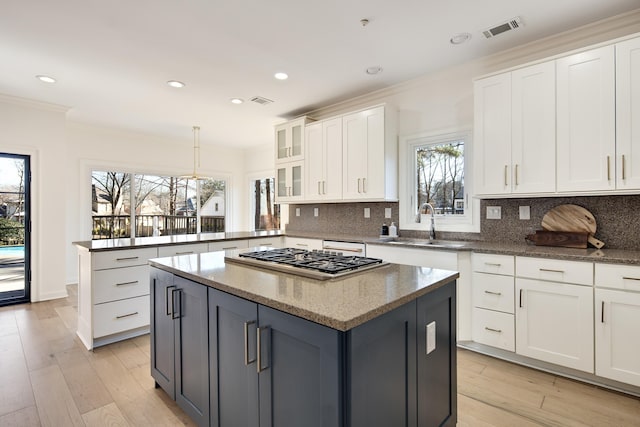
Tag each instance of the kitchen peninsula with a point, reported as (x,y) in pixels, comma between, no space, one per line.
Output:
(242,345)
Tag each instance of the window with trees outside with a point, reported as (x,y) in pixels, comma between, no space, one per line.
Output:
(127,205)
(266,213)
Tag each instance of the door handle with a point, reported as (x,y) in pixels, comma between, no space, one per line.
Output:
(520,304)
(173,305)
(259,367)
(166,300)
(246,343)
(493,293)
(602,313)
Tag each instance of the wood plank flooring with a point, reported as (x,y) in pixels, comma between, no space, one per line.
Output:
(48,378)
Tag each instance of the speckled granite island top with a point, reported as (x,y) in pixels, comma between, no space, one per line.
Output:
(341,304)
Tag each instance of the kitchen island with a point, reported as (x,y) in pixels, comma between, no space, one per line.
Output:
(237,345)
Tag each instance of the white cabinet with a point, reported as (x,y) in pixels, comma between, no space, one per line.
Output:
(289,186)
(276,242)
(515,128)
(290,140)
(113,295)
(323,160)
(628,114)
(554,318)
(446,260)
(227,245)
(586,121)
(369,155)
(493,321)
(303,243)
(617,309)
(188,249)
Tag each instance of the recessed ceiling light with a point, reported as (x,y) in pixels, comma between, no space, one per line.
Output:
(373,70)
(281,76)
(236,101)
(175,83)
(460,38)
(46,79)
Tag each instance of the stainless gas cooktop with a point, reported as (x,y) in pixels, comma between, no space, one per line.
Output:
(314,264)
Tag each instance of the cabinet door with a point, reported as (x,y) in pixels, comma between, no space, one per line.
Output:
(289,182)
(332,159)
(617,343)
(385,345)
(628,114)
(363,154)
(232,369)
(492,134)
(299,378)
(192,349)
(314,161)
(554,323)
(586,120)
(162,331)
(533,132)
(437,361)
(290,141)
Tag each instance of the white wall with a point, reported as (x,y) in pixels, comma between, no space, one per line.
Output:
(38,130)
(93,148)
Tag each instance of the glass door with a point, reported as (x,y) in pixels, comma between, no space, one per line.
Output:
(14,228)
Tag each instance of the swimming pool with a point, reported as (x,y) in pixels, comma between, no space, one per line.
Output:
(12,251)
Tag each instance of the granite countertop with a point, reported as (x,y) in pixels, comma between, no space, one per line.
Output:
(182,239)
(341,304)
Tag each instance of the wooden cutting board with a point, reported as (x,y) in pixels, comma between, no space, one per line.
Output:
(572,218)
(565,239)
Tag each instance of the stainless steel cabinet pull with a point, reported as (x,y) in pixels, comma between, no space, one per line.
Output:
(176,314)
(127,258)
(302,244)
(166,295)
(624,175)
(324,187)
(364,185)
(319,192)
(493,293)
(184,253)
(127,283)
(520,304)
(608,168)
(548,270)
(333,248)
(126,315)
(516,174)
(506,170)
(229,248)
(602,313)
(629,278)
(493,264)
(259,367)
(493,330)
(359,185)
(246,343)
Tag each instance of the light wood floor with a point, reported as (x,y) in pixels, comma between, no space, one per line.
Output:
(48,378)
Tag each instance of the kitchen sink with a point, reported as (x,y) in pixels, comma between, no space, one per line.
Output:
(429,243)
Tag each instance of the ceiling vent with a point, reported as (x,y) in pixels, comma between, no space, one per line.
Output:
(260,100)
(511,24)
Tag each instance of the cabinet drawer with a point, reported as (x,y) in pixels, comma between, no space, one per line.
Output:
(495,264)
(119,316)
(174,250)
(493,292)
(580,273)
(494,328)
(276,242)
(120,283)
(123,258)
(302,243)
(228,245)
(618,276)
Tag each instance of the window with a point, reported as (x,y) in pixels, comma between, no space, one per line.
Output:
(163,205)
(266,214)
(433,169)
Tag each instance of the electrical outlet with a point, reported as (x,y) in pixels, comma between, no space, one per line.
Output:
(525,212)
(494,212)
(297,211)
(315,211)
(387,212)
(367,212)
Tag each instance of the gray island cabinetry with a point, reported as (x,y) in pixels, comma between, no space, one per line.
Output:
(242,346)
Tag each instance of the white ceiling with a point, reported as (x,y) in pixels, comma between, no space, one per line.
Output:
(112,58)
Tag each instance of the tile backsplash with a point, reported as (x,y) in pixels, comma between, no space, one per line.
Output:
(617,217)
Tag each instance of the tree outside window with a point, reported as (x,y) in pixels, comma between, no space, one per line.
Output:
(440,176)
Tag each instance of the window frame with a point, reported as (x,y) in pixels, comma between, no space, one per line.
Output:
(470,220)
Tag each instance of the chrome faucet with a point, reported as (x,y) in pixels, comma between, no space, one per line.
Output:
(423,210)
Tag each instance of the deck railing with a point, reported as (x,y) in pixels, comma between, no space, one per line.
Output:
(118,226)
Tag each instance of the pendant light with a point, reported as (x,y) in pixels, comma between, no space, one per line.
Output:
(196,155)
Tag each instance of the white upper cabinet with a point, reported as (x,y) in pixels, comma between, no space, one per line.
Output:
(289,182)
(628,114)
(586,121)
(323,161)
(290,141)
(492,134)
(369,155)
(533,129)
